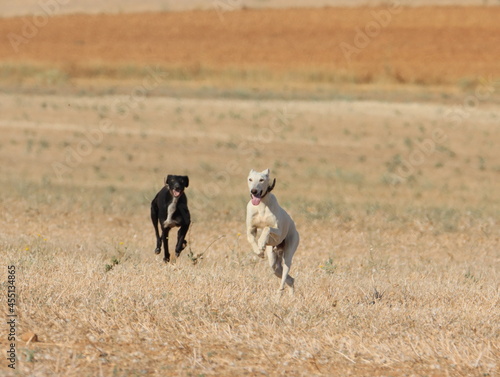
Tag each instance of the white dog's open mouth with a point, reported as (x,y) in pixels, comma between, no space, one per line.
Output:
(256,199)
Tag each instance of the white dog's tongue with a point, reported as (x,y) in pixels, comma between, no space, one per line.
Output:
(255,200)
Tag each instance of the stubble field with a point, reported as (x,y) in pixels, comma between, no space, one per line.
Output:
(392,279)
(397,204)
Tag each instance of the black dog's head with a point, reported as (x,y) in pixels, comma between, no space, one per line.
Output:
(176,184)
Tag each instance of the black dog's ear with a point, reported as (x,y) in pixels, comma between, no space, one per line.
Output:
(168,179)
(186,179)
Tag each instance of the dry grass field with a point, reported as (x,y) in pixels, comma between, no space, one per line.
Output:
(393,279)
(397,202)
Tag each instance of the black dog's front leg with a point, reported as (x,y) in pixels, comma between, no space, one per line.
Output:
(181,239)
(154,219)
(158,242)
(164,236)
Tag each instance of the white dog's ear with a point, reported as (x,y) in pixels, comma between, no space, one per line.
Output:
(266,172)
(251,171)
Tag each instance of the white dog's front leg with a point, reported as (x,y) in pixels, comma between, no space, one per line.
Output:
(269,236)
(252,239)
(264,238)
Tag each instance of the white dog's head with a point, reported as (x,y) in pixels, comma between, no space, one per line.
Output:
(258,184)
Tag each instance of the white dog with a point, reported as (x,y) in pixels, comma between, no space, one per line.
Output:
(279,238)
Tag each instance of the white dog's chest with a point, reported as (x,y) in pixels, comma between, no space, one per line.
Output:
(263,218)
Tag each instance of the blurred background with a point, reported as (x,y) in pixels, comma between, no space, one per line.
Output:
(258,49)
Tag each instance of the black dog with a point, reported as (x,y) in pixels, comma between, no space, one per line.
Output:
(169,207)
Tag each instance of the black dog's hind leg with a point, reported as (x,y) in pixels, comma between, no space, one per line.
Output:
(181,239)
(154,219)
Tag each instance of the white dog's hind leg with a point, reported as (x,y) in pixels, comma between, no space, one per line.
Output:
(291,245)
(281,271)
(271,257)
(285,278)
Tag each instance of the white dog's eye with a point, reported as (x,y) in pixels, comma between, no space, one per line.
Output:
(250,179)
(261,180)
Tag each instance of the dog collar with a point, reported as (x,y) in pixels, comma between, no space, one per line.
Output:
(269,189)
